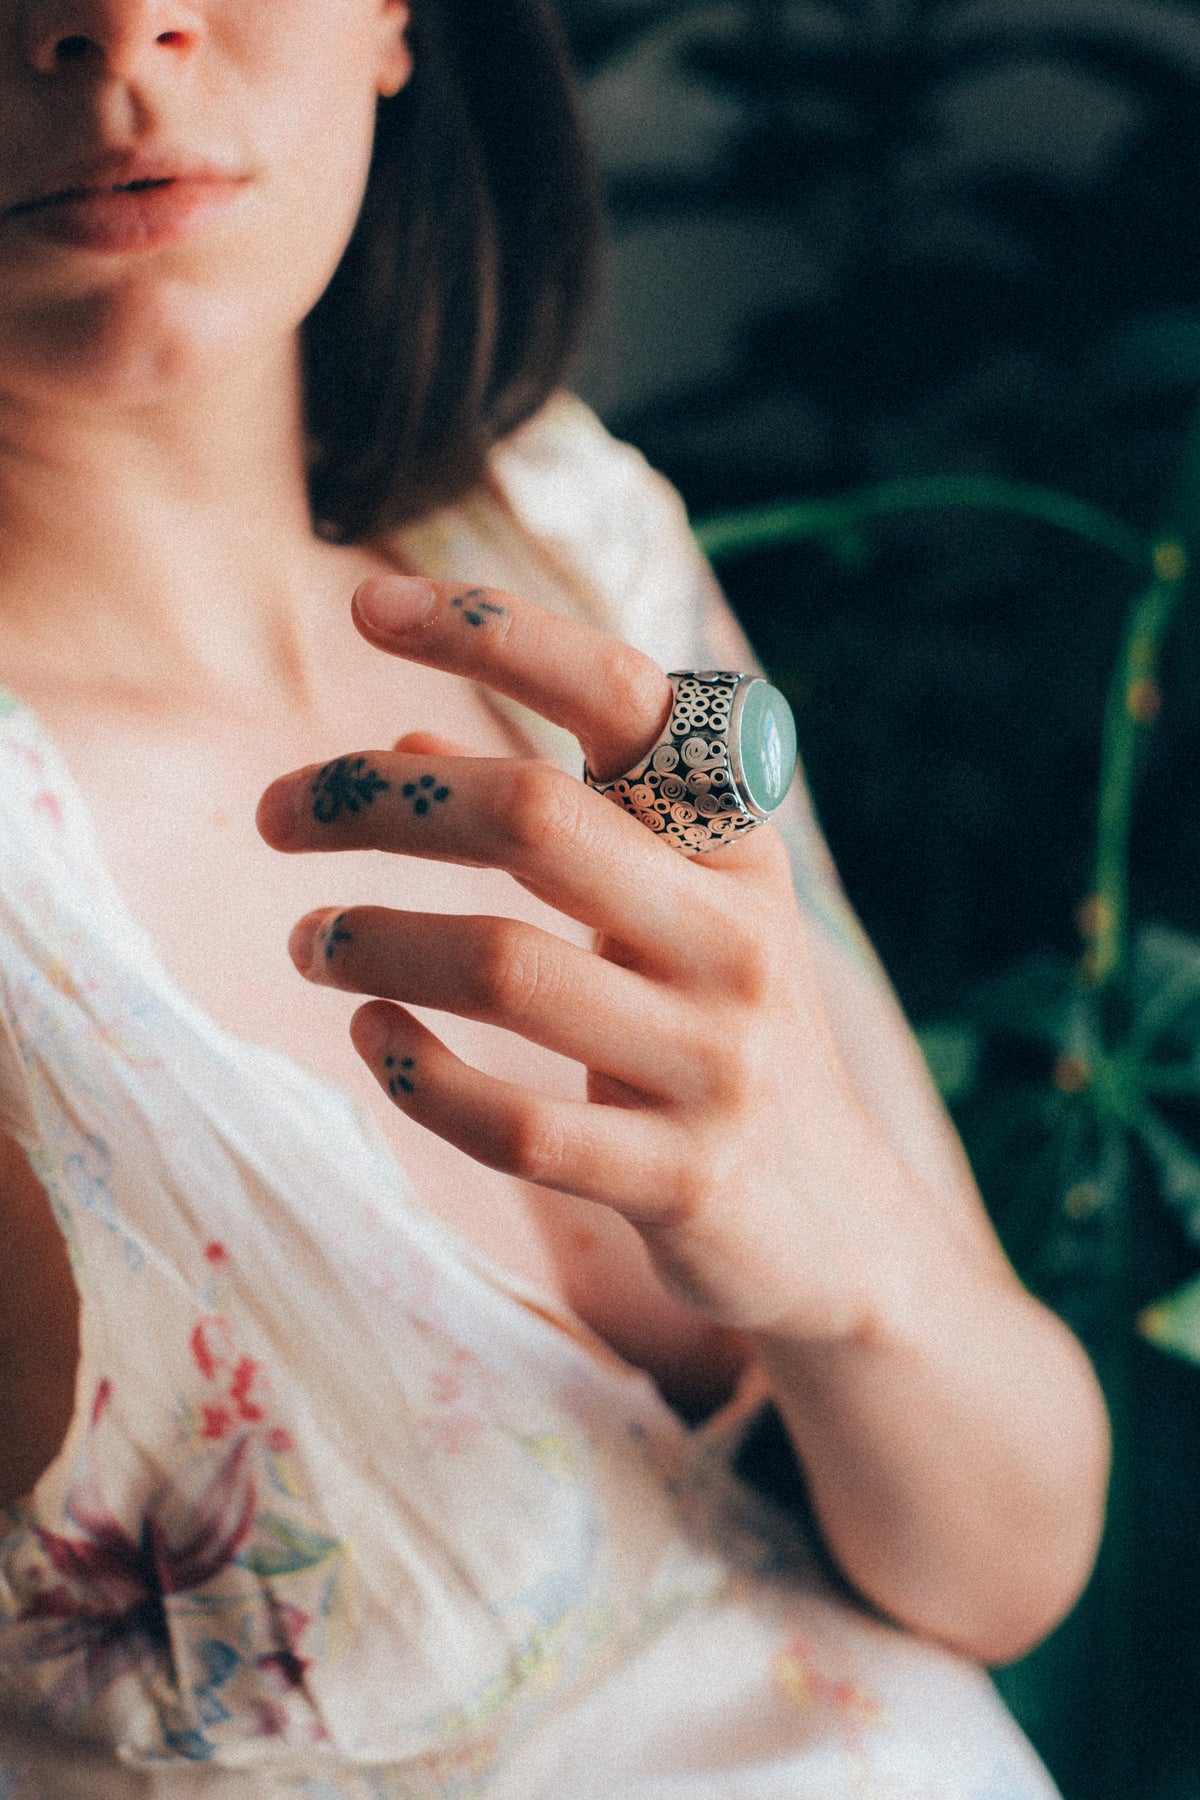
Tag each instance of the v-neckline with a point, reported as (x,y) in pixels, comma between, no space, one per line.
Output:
(536,1303)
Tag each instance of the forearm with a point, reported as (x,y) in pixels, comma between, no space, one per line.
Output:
(956,1455)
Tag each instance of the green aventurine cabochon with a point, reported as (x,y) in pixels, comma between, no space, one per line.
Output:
(767,742)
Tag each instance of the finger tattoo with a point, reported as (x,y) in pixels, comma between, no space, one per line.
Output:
(336,934)
(474,608)
(424,793)
(346,785)
(400,1075)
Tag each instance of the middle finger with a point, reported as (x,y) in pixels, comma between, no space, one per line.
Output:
(565,843)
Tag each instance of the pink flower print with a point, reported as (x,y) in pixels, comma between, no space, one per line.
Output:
(45,800)
(456,1420)
(272,1718)
(248,1381)
(289,1667)
(216,1423)
(799,1678)
(453,1433)
(212,1346)
(105,1614)
(247,1393)
(285,1665)
(50,806)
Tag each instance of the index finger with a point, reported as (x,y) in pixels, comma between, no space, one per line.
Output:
(611,697)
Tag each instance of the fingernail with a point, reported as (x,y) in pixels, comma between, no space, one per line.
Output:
(370,1033)
(303,941)
(277,813)
(395,602)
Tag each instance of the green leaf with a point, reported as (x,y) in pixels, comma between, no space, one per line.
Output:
(282,1548)
(952,1050)
(1158,353)
(554,1454)
(1177,1164)
(1166,982)
(1035,1000)
(850,548)
(1173,1324)
(1018,1139)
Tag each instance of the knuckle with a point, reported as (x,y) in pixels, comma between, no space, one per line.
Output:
(532,1145)
(637,689)
(545,806)
(732,1053)
(729,1067)
(751,962)
(694,1189)
(511,974)
(708,1056)
(745,1075)
(776,863)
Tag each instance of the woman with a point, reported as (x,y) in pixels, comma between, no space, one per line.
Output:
(306,1494)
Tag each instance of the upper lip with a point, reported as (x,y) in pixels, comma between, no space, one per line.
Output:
(113,170)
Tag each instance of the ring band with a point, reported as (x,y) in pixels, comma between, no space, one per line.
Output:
(722,765)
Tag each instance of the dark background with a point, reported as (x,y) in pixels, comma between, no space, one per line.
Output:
(853,242)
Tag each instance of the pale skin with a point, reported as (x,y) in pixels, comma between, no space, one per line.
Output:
(713,1160)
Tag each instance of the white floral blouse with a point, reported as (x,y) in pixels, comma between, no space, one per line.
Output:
(344,1513)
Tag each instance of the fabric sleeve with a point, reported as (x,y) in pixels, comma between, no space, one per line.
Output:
(16,1103)
(616,530)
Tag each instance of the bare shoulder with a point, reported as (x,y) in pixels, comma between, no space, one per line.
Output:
(39,1327)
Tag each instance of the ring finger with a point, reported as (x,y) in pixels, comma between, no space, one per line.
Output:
(508,973)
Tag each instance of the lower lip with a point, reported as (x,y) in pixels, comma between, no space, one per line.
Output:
(145,219)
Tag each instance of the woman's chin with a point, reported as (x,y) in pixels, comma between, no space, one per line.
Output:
(134,344)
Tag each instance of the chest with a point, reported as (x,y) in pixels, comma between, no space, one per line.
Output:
(174,812)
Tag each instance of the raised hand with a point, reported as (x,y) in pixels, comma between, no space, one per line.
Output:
(716,1115)
(950,1429)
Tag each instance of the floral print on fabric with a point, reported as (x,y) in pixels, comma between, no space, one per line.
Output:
(800,1678)
(206,1597)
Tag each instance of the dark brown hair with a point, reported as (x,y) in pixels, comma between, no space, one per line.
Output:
(461,295)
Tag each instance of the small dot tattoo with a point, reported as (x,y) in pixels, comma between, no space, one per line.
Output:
(337,934)
(421,793)
(475,608)
(346,785)
(399,1082)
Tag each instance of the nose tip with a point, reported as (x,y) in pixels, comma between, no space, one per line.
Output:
(110,34)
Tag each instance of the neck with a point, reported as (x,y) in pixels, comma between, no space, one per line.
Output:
(161,550)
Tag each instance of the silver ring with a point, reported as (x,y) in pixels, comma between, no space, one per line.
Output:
(722,765)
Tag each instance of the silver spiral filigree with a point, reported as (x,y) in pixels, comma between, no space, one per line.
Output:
(685,788)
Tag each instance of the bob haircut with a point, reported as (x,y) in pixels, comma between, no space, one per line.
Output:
(463,291)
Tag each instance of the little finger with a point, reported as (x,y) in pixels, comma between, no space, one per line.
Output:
(624,1157)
